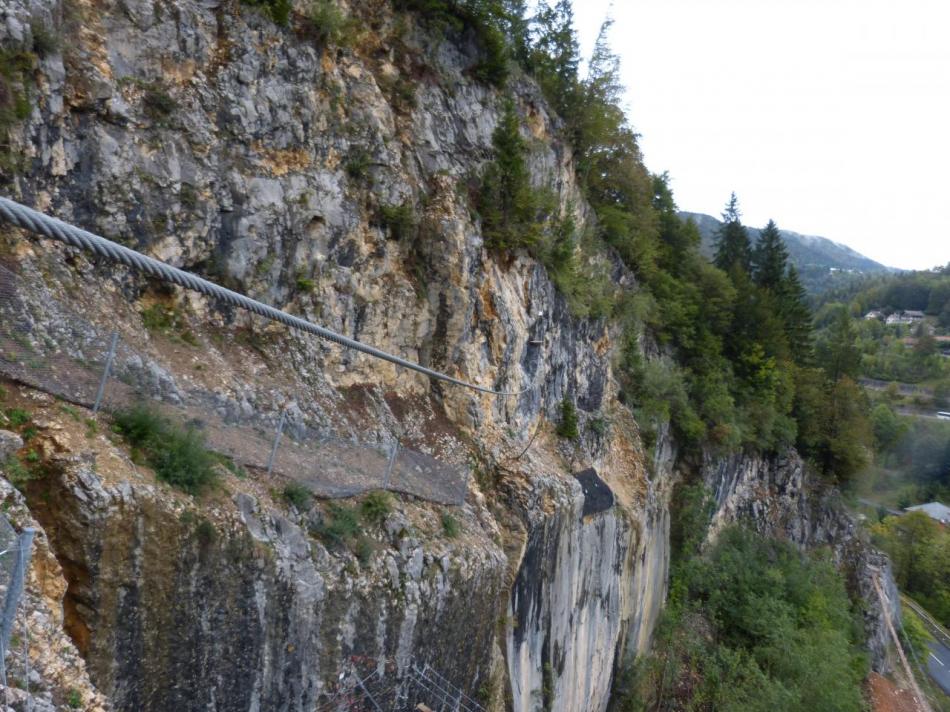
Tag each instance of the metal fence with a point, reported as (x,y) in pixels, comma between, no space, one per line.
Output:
(47,342)
(374,685)
(15,550)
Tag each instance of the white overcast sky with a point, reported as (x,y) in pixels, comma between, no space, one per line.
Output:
(830,116)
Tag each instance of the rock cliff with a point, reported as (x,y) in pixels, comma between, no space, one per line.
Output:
(208,136)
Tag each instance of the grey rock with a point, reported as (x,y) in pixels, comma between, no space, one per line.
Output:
(9,444)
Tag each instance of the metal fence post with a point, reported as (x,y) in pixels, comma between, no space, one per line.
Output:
(389,465)
(359,681)
(273,452)
(14,591)
(105,372)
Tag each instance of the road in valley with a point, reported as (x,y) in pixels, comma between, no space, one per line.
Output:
(938,665)
(938,657)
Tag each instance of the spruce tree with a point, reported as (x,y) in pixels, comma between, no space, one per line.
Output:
(796,315)
(769,259)
(838,353)
(506,201)
(555,58)
(517,31)
(733,250)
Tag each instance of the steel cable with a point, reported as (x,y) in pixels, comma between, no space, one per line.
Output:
(55,229)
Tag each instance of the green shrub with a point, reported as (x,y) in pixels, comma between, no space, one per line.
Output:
(16,472)
(484,20)
(913,633)
(567,427)
(74,699)
(376,506)
(298,495)
(330,23)
(305,284)
(278,10)
(754,624)
(169,321)
(231,466)
(450,526)
(340,525)
(205,532)
(358,163)
(158,104)
(16,82)
(45,40)
(187,196)
(403,95)
(400,220)
(364,549)
(178,455)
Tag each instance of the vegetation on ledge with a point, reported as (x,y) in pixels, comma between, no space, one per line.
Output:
(752,624)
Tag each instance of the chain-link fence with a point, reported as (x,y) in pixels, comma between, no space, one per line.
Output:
(15,552)
(373,685)
(46,342)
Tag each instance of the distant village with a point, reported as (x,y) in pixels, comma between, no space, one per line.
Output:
(912,317)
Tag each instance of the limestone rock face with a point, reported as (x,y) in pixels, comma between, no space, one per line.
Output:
(245,611)
(207,136)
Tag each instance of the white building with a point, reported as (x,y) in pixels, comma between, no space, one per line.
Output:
(934,510)
(905,317)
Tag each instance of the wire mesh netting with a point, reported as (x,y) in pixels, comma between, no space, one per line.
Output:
(8,554)
(48,344)
(373,685)
(14,561)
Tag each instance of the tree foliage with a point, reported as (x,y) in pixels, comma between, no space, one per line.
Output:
(733,249)
(919,548)
(770,258)
(752,624)
(507,204)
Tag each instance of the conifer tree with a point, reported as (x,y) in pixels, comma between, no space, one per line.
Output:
(838,352)
(517,31)
(507,202)
(793,304)
(769,259)
(555,57)
(733,250)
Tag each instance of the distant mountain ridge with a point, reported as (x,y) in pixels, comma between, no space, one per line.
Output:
(822,263)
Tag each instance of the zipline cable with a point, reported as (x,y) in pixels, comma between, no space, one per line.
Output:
(54,229)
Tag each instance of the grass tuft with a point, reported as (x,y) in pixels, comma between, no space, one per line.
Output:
(376,507)
(298,495)
(450,526)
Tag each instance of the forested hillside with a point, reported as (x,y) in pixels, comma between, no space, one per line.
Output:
(822,263)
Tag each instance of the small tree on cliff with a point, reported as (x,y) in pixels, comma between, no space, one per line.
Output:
(506,201)
(567,428)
